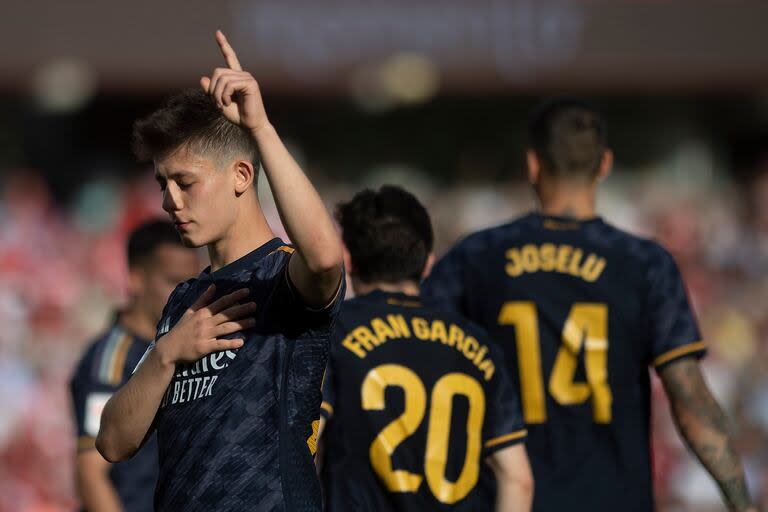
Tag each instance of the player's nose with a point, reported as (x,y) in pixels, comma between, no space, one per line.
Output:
(172,199)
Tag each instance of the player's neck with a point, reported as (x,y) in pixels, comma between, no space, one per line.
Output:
(249,232)
(136,321)
(568,199)
(404,287)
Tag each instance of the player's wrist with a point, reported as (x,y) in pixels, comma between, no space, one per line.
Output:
(262,130)
(166,356)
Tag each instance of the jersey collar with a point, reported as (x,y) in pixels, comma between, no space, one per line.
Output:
(392,298)
(244,262)
(564,223)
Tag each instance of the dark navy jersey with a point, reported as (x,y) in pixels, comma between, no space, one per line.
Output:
(581,310)
(237,428)
(106,365)
(416,398)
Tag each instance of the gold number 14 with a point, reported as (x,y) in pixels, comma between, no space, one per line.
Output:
(587,325)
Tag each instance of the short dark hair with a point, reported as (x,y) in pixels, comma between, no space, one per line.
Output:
(388,234)
(569,137)
(190,120)
(147,237)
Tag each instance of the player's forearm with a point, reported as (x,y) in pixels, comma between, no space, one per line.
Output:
(303,213)
(514,480)
(514,495)
(129,414)
(96,491)
(704,427)
(705,432)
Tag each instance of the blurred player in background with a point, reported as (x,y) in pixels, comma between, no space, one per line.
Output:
(157,262)
(236,418)
(582,310)
(417,398)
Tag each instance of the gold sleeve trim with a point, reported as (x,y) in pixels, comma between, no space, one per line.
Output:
(679,351)
(327,407)
(297,295)
(507,437)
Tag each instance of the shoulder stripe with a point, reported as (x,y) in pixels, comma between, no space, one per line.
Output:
(113,357)
(507,437)
(107,353)
(286,248)
(118,362)
(327,407)
(679,351)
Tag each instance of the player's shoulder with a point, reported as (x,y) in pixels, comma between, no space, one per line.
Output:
(102,357)
(499,234)
(265,263)
(645,251)
(357,309)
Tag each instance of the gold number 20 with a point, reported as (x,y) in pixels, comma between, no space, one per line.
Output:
(436,456)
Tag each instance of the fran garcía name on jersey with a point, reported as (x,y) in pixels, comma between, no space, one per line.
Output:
(366,338)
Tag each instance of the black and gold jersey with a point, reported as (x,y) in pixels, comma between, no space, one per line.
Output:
(581,311)
(236,429)
(415,398)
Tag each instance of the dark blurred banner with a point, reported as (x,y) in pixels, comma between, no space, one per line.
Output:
(406,49)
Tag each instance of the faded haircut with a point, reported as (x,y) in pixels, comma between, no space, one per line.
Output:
(191,120)
(569,137)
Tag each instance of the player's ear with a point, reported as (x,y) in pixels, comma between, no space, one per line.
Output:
(606,164)
(533,167)
(244,176)
(428,266)
(347,260)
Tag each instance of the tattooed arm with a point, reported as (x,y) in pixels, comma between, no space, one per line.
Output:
(704,426)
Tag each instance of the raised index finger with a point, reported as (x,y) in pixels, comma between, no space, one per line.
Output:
(228,52)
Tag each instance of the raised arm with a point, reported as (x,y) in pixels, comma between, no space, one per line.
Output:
(316,266)
(704,427)
(128,416)
(514,480)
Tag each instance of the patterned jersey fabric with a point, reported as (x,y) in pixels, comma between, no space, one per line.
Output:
(236,428)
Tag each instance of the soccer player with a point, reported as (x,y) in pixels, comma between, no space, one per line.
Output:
(417,398)
(232,382)
(157,262)
(582,310)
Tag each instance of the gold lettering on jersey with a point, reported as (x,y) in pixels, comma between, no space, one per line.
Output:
(438,332)
(365,338)
(420,328)
(548,257)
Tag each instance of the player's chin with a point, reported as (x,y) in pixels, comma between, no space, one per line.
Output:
(192,241)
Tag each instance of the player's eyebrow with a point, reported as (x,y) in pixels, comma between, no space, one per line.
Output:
(174,175)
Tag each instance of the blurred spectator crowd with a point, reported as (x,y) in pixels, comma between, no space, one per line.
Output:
(62,273)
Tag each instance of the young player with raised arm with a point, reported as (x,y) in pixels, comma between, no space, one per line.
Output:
(233,387)
(417,398)
(582,310)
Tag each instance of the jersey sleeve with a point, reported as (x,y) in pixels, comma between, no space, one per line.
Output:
(291,310)
(504,424)
(446,285)
(674,332)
